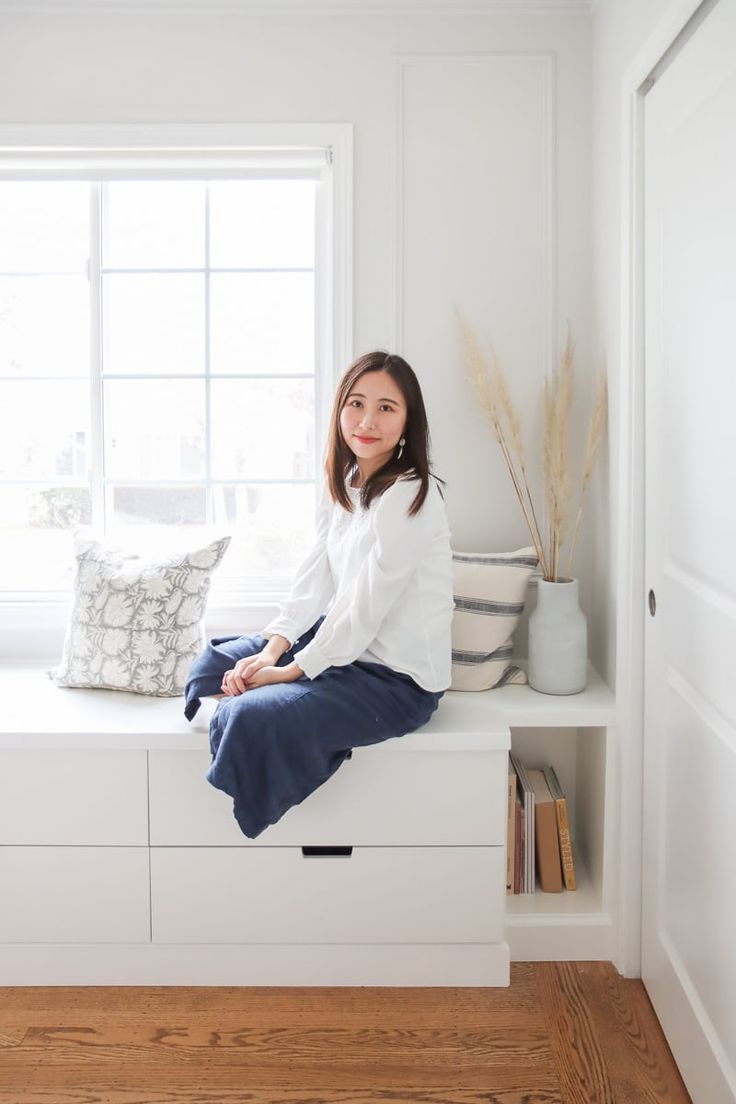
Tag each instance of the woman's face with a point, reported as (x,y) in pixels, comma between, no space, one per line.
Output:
(373,419)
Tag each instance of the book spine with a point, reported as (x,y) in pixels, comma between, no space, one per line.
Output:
(511,831)
(547,849)
(527,820)
(531,859)
(563,832)
(519,857)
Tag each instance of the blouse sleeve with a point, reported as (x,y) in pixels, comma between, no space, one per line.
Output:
(313,584)
(353,621)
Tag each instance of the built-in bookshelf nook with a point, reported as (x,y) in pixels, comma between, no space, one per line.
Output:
(575,735)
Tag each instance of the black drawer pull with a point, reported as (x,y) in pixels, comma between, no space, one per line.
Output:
(306,851)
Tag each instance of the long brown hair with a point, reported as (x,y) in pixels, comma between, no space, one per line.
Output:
(414,461)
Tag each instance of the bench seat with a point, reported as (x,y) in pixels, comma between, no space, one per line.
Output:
(37,713)
(120,864)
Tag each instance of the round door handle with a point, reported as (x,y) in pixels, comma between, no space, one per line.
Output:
(652,603)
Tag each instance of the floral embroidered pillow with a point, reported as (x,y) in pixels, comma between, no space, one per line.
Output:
(136,622)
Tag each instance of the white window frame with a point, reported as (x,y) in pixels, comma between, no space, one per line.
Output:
(32,628)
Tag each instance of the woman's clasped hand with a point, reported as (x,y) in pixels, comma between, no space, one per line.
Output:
(255,671)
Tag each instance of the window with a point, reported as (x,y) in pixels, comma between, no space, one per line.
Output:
(165,354)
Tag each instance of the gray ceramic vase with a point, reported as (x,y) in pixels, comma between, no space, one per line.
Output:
(558,639)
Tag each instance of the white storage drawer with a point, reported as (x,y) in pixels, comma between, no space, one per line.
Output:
(375,895)
(73,796)
(74,895)
(396,798)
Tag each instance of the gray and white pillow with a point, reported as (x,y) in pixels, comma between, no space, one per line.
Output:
(489,591)
(136,621)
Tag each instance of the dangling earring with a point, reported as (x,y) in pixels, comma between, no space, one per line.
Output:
(402,442)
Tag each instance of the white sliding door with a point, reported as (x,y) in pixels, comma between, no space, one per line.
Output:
(689,890)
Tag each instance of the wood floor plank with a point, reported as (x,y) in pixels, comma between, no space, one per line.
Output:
(390,1071)
(495,1043)
(577,1050)
(206,1094)
(639,1060)
(478,1015)
(11,1036)
(563,1033)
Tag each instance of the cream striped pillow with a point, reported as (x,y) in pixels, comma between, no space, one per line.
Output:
(489,590)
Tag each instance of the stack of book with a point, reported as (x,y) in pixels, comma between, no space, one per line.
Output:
(539,843)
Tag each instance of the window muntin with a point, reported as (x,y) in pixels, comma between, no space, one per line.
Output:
(185,321)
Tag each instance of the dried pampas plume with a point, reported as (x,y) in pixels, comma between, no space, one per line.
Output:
(595,435)
(494,396)
(557,405)
(492,390)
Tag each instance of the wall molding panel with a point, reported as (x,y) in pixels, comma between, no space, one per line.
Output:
(499,250)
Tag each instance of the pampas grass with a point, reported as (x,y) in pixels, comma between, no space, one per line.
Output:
(494,397)
(595,435)
(557,405)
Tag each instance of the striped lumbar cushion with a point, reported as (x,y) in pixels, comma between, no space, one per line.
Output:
(489,589)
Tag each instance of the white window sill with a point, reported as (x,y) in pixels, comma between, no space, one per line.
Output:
(34,631)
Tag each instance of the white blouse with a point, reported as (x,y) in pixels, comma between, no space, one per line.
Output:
(383,581)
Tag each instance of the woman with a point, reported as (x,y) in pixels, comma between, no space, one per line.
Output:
(360,651)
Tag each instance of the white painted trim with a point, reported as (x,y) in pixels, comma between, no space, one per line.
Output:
(231,144)
(97,428)
(550,212)
(342,247)
(283,964)
(630,505)
(571,937)
(397,217)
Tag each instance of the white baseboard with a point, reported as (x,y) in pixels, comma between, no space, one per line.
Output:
(318,964)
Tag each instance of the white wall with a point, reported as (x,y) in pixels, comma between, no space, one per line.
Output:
(472,185)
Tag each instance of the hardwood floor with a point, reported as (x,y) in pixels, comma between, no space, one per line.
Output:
(563,1033)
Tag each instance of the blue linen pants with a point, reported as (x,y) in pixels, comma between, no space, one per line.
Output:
(273,746)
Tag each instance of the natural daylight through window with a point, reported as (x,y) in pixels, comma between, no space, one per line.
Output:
(157,367)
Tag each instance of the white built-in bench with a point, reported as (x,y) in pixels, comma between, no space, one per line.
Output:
(120,864)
